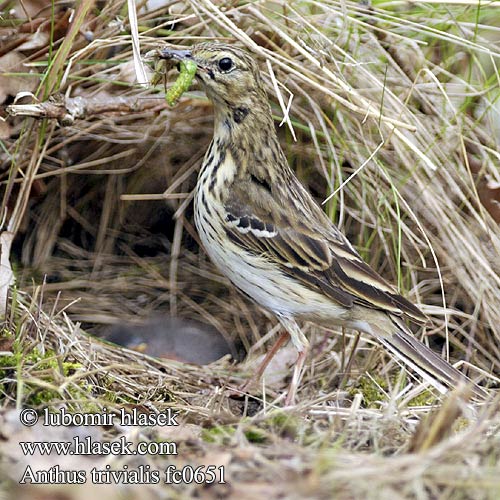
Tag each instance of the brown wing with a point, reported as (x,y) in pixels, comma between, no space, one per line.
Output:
(307,246)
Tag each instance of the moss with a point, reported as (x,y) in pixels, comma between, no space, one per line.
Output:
(222,434)
(276,424)
(219,434)
(7,362)
(40,398)
(255,435)
(372,389)
(44,367)
(425,398)
(282,424)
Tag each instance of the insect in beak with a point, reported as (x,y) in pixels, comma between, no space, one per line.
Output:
(175,55)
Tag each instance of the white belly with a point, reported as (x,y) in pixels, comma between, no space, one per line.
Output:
(255,275)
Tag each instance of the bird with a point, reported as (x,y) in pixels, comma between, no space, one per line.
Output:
(271,239)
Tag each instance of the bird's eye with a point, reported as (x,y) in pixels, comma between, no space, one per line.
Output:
(225,64)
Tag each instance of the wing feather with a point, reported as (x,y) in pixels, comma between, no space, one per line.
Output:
(312,251)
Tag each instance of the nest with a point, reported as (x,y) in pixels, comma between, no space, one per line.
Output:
(397,135)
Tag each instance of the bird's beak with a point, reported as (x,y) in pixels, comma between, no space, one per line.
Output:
(175,54)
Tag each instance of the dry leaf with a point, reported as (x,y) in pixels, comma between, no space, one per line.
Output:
(10,85)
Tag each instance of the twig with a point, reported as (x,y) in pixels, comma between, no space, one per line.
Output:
(68,109)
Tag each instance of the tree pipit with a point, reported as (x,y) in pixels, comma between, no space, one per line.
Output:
(264,231)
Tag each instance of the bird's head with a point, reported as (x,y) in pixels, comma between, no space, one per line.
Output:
(228,74)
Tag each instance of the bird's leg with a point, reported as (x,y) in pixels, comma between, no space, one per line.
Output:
(265,362)
(297,375)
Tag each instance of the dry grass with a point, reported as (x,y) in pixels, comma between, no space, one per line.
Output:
(393,111)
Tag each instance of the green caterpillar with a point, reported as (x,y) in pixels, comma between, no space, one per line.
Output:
(183,82)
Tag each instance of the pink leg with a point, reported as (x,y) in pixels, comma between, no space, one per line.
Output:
(297,374)
(265,362)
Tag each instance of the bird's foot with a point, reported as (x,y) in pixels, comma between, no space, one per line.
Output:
(244,388)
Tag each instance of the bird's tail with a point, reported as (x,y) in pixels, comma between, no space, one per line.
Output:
(434,369)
